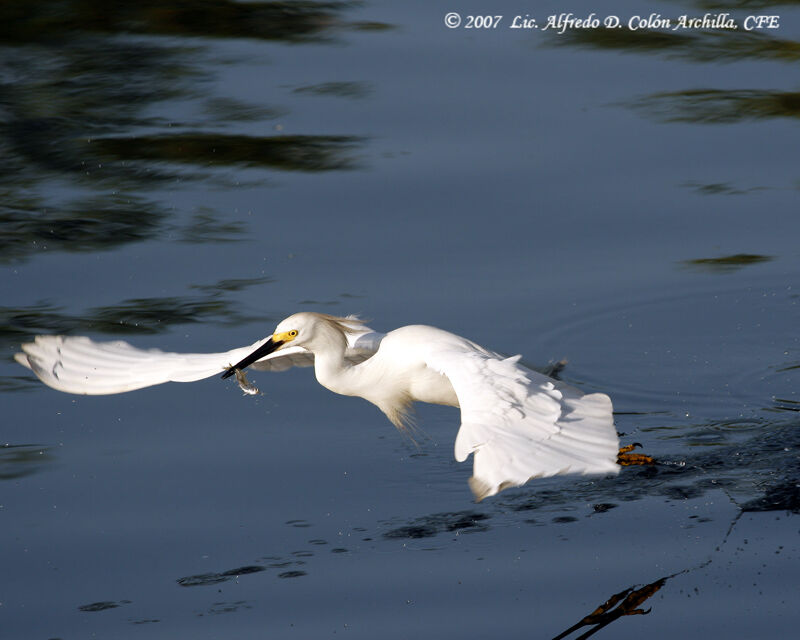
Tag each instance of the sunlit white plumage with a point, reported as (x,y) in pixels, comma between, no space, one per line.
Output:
(517,423)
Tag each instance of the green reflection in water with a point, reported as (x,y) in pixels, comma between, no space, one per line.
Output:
(717,106)
(288,153)
(204,227)
(700,46)
(232,110)
(338,89)
(706,105)
(133,316)
(721,188)
(287,21)
(20,460)
(74,96)
(231,284)
(29,226)
(748,5)
(725,264)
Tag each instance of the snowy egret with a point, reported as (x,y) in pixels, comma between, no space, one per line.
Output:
(517,423)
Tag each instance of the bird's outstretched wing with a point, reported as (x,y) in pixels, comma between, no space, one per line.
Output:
(76,364)
(520,424)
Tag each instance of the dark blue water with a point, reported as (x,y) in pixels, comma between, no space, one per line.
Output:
(183,176)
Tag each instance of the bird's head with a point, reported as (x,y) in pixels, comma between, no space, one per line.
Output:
(306,329)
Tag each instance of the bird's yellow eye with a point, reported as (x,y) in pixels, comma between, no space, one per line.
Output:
(284,336)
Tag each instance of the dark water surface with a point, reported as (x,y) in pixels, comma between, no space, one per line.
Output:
(183,175)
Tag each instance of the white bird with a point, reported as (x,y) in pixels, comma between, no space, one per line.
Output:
(517,423)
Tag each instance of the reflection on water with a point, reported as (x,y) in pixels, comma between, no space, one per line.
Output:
(745,467)
(96,223)
(429,526)
(66,95)
(230,285)
(720,106)
(67,114)
(204,226)
(287,153)
(782,497)
(340,89)
(706,105)
(285,21)
(696,45)
(117,114)
(725,264)
(128,317)
(102,606)
(218,608)
(785,404)
(721,188)
(20,460)
(754,464)
(750,5)
(227,109)
(206,579)
(624,603)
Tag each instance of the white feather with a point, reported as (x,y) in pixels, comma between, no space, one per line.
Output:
(519,424)
(516,423)
(76,364)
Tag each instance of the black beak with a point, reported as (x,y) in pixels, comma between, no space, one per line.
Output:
(265,349)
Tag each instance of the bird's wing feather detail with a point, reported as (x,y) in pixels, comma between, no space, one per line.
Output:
(76,364)
(520,424)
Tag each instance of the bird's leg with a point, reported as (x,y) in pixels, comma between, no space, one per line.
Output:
(626,459)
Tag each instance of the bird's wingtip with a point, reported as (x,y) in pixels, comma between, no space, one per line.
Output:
(22,358)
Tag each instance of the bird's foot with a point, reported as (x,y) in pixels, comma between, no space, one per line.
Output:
(626,459)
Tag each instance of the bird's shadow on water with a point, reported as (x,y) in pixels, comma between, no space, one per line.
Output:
(759,474)
(783,497)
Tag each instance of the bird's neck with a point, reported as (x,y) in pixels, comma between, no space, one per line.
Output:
(333,371)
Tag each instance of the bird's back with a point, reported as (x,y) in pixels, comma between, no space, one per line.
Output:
(400,371)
